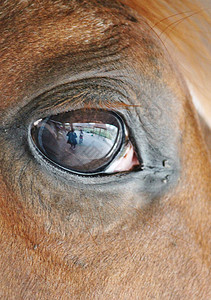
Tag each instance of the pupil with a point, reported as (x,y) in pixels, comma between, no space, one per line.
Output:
(83,141)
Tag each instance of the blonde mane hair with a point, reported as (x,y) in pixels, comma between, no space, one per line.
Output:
(184,26)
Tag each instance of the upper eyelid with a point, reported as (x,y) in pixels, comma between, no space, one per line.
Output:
(67,97)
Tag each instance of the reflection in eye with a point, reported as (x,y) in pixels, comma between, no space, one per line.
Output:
(85,141)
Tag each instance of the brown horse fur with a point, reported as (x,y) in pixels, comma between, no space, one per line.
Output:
(139,235)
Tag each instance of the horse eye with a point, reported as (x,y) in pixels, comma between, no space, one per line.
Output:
(85,141)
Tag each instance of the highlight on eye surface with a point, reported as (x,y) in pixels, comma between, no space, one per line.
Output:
(86,141)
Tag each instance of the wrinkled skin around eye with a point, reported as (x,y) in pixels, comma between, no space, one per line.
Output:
(131,235)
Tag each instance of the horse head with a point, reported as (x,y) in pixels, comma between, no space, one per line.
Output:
(130,221)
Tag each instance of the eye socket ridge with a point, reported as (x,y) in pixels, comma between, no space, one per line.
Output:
(85,142)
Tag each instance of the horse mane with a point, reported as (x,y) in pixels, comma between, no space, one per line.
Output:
(184,26)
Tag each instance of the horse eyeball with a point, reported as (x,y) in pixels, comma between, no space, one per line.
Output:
(85,141)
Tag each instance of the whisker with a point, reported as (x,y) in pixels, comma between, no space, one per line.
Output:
(161,229)
(102,226)
(171,16)
(128,247)
(87,228)
(124,234)
(178,22)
